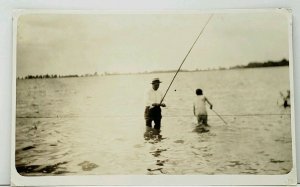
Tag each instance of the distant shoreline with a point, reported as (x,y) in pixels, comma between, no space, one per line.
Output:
(267,64)
(283,62)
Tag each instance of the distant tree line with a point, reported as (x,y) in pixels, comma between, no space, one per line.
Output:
(283,62)
(53,76)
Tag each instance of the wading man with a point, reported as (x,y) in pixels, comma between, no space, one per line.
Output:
(153,104)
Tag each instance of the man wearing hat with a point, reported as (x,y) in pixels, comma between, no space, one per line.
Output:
(153,104)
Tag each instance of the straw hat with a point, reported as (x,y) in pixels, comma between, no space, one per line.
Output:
(155,81)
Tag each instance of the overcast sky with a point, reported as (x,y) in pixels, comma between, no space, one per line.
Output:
(88,43)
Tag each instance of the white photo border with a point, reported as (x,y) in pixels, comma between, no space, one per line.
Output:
(149,180)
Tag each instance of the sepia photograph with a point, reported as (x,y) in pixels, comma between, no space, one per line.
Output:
(153,93)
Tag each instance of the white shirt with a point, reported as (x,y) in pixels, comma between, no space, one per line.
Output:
(200,105)
(153,96)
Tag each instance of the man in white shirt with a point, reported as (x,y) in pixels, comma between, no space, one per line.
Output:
(153,104)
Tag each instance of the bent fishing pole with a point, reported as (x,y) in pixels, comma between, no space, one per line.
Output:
(185,59)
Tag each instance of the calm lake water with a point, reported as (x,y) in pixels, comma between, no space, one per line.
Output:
(95,125)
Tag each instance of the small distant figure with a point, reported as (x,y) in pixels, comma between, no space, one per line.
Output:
(199,110)
(286,99)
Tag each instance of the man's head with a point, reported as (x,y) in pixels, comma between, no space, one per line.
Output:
(155,83)
(199,91)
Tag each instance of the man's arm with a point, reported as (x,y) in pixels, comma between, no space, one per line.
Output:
(161,103)
(211,106)
(194,109)
(147,99)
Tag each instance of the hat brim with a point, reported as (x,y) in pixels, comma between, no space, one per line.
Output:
(156,82)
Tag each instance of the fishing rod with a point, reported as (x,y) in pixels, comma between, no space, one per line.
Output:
(185,59)
(219,116)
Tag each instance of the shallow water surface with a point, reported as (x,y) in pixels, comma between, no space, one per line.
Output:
(95,125)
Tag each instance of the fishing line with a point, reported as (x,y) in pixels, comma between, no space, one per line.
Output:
(128,116)
(187,85)
(185,59)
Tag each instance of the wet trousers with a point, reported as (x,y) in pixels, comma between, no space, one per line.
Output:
(153,114)
(202,119)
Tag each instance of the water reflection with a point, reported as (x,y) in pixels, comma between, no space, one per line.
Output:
(47,169)
(154,137)
(201,128)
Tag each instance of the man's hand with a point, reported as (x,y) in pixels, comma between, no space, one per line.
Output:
(157,104)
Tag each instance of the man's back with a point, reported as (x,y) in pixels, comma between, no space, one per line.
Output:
(200,105)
